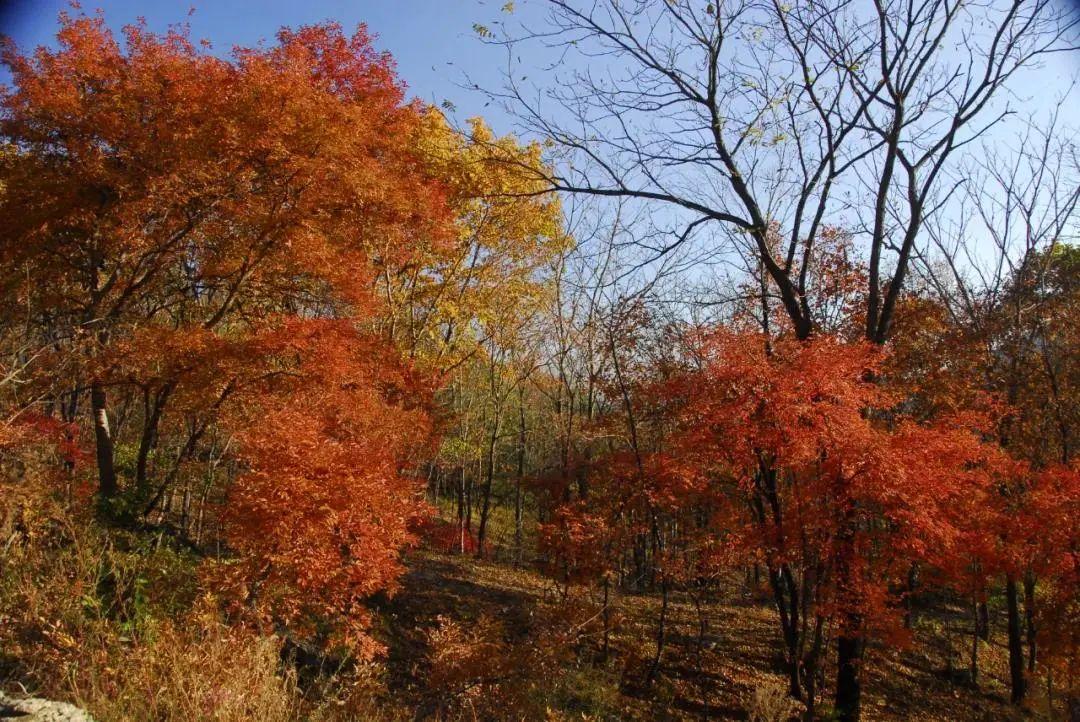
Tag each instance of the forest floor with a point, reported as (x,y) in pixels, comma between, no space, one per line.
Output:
(719,679)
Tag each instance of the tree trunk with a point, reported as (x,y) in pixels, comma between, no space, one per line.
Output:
(851,642)
(103,441)
(811,668)
(519,479)
(661,634)
(606,649)
(489,479)
(849,652)
(1029,616)
(782,581)
(909,597)
(152,410)
(973,669)
(461,509)
(469,503)
(639,562)
(786,597)
(983,621)
(185,511)
(1016,648)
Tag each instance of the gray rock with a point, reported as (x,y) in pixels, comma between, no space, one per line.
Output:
(33,709)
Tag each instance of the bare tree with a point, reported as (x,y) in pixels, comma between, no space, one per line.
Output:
(757,124)
(777,119)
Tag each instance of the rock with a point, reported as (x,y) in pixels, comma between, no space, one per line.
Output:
(33,709)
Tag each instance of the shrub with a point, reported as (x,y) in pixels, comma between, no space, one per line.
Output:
(771,703)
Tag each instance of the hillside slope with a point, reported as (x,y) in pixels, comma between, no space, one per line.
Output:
(727,669)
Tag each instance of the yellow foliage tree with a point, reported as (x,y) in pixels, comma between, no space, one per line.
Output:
(457,294)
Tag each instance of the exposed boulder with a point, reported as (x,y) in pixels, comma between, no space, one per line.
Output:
(33,709)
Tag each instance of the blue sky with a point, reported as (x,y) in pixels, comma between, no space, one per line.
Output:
(432,40)
(436,48)
(437,51)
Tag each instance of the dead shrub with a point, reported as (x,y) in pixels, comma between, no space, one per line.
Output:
(771,703)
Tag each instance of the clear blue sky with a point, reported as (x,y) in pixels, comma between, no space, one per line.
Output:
(432,40)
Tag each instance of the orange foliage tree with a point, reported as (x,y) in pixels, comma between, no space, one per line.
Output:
(193,243)
(325,501)
(155,184)
(826,483)
(795,456)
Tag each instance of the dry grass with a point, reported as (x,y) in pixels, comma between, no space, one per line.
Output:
(110,621)
(121,625)
(216,673)
(771,702)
